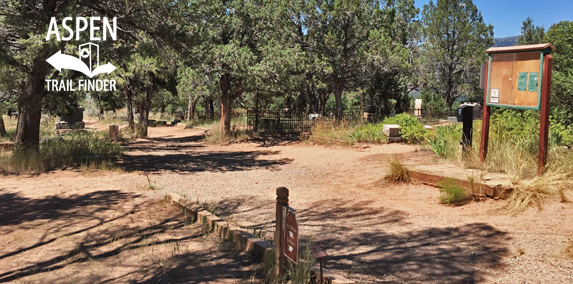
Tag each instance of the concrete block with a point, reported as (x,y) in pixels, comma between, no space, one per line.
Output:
(258,247)
(391,130)
(184,126)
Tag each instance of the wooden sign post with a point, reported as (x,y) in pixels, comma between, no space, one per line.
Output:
(519,77)
(282,200)
(291,237)
(286,232)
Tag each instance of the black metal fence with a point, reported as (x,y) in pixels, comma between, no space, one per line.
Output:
(285,121)
(278,121)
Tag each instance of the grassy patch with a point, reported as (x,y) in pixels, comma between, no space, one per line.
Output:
(234,136)
(513,146)
(452,193)
(300,273)
(398,171)
(90,149)
(330,130)
(99,165)
(445,141)
(352,131)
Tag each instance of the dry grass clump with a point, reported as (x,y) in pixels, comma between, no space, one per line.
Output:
(324,130)
(398,171)
(536,190)
(233,136)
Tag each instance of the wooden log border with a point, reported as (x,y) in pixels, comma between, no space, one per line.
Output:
(257,247)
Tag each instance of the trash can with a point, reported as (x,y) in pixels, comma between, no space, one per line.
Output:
(466,116)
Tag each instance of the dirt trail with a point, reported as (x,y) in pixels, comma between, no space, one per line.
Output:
(374,231)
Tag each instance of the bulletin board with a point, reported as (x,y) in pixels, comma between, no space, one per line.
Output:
(515,76)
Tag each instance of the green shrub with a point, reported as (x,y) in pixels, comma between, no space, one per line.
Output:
(410,128)
(445,140)
(452,193)
(369,133)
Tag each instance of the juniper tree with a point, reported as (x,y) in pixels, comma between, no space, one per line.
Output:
(455,40)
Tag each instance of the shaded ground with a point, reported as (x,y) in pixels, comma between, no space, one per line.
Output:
(109,236)
(374,231)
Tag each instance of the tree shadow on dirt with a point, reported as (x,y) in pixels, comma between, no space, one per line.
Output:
(202,161)
(15,209)
(65,232)
(379,245)
(443,255)
(376,244)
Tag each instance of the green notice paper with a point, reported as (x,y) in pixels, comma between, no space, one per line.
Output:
(522,81)
(533,78)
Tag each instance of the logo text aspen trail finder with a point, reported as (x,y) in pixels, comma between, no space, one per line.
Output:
(88,60)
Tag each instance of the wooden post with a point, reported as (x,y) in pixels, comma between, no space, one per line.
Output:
(545,110)
(282,200)
(113,132)
(485,122)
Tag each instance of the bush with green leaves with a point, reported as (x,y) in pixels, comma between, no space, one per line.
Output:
(452,193)
(368,133)
(410,128)
(444,142)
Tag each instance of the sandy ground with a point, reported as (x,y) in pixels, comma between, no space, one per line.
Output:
(374,232)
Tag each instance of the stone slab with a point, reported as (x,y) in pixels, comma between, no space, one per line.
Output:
(391,130)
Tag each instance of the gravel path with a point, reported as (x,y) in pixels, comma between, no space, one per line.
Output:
(374,231)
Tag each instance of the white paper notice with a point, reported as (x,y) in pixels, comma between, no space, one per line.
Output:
(494,96)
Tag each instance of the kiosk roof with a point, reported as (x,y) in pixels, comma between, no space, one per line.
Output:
(520,48)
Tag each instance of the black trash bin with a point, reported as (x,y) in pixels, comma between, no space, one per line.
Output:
(466,116)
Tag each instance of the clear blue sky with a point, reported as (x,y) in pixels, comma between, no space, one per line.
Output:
(507,16)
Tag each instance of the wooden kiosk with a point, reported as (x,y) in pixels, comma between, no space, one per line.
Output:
(519,77)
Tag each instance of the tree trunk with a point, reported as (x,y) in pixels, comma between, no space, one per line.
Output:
(191,107)
(323,98)
(226,101)
(130,119)
(189,115)
(226,114)
(194,107)
(144,112)
(256,126)
(338,88)
(30,108)
(288,102)
(2,128)
(450,101)
(211,109)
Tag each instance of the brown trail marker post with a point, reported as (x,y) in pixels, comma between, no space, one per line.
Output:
(513,76)
(291,235)
(282,200)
